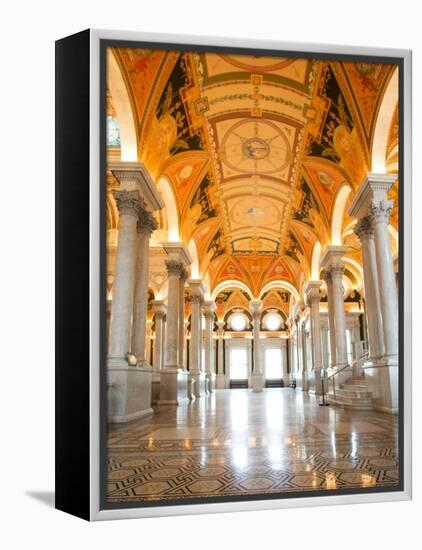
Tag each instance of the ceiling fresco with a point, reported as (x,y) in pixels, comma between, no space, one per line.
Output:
(255,149)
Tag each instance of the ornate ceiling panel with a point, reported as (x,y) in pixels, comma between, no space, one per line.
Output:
(256,149)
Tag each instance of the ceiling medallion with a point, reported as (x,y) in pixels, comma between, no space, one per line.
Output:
(256,148)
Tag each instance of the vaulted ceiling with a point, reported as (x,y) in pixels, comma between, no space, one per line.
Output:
(256,149)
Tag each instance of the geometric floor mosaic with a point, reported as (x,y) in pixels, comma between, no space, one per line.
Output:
(237,442)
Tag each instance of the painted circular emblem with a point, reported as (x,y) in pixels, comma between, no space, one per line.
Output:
(255,148)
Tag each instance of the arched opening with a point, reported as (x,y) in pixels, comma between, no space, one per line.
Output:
(170,212)
(122,106)
(383,123)
(338,214)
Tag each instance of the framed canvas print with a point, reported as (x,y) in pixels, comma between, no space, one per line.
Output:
(233,275)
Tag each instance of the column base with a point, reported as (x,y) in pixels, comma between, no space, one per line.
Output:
(129,391)
(173,386)
(258,382)
(210,383)
(155,391)
(381,377)
(220,382)
(199,383)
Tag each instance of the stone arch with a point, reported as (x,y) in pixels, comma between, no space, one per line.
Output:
(122,106)
(171,211)
(231,283)
(337,215)
(316,256)
(280,284)
(382,125)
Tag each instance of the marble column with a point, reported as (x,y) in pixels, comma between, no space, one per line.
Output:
(331,322)
(148,342)
(130,386)
(128,204)
(173,386)
(380,213)
(182,325)
(284,362)
(381,376)
(174,270)
(337,272)
(257,375)
(220,356)
(312,291)
(146,225)
(160,312)
(332,262)
(195,373)
(365,231)
(209,310)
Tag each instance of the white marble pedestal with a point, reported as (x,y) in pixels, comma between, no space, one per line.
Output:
(173,386)
(210,383)
(382,379)
(129,391)
(220,382)
(199,386)
(257,382)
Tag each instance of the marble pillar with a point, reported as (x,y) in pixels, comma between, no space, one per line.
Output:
(285,364)
(173,385)
(182,325)
(312,291)
(196,374)
(332,262)
(146,225)
(371,200)
(257,375)
(380,215)
(365,231)
(129,386)
(209,310)
(220,382)
(159,316)
(331,322)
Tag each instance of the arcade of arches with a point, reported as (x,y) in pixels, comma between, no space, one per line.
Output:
(252,271)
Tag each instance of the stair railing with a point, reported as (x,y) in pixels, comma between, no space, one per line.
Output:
(337,371)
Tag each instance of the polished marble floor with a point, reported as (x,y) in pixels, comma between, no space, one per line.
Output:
(237,442)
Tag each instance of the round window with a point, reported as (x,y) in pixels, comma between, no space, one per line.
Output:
(238,322)
(272,321)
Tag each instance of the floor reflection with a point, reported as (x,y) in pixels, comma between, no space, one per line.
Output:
(238,442)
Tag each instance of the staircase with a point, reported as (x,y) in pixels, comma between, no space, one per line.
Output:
(352,395)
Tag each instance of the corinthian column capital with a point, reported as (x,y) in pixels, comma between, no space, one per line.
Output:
(313,291)
(380,210)
(128,202)
(174,267)
(364,229)
(146,222)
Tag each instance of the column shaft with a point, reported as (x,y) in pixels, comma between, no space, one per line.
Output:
(146,224)
(339,315)
(158,342)
(172,329)
(331,322)
(380,211)
(128,203)
(195,335)
(182,331)
(365,231)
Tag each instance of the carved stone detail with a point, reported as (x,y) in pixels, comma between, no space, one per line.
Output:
(364,229)
(380,211)
(128,202)
(174,267)
(146,222)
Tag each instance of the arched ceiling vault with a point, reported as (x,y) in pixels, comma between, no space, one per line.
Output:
(256,149)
